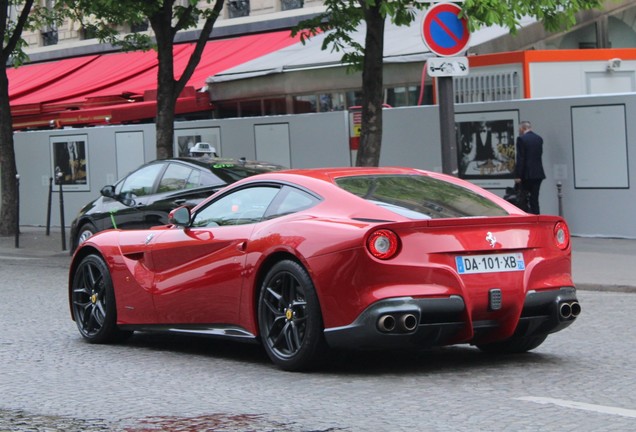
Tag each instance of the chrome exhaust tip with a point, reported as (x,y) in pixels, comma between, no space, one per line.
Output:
(386,323)
(575,309)
(565,310)
(408,322)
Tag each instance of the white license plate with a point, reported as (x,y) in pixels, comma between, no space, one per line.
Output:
(492,263)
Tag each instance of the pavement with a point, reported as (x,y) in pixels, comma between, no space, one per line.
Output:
(599,264)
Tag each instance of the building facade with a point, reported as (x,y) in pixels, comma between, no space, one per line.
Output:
(325,85)
(71,34)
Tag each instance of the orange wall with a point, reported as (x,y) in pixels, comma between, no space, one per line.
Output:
(538,56)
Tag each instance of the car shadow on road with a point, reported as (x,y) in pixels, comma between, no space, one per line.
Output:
(199,346)
(443,359)
(452,359)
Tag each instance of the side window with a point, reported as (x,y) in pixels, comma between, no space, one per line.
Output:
(194,179)
(175,178)
(291,200)
(243,206)
(209,179)
(141,182)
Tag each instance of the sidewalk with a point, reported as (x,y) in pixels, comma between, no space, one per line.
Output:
(604,264)
(599,264)
(34,243)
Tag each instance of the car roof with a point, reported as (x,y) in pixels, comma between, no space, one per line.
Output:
(316,176)
(218,162)
(329,174)
(322,180)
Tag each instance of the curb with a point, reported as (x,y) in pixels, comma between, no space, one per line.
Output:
(606,288)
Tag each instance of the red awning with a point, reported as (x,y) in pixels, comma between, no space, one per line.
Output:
(31,79)
(115,113)
(54,92)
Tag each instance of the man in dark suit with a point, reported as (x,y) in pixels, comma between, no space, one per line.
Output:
(529,167)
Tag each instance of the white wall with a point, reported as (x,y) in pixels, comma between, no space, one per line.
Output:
(580,78)
(411,138)
(314,140)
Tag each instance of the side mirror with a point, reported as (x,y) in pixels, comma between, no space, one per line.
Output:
(108,191)
(180,216)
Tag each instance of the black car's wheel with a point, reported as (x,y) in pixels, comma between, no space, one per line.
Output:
(85,232)
(514,345)
(93,302)
(289,317)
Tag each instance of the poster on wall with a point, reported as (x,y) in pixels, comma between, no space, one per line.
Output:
(486,147)
(185,143)
(186,139)
(69,157)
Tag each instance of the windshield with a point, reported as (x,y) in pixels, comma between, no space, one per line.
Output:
(420,197)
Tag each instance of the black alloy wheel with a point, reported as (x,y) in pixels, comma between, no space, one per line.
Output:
(289,317)
(93,302)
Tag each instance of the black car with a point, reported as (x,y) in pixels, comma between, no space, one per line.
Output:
(145,196)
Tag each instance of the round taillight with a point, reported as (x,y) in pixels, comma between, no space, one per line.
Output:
(561,235)
(383,244)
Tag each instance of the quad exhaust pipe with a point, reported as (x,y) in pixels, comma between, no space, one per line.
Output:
(387,323)
(408,322)
(398,323)
(569,310)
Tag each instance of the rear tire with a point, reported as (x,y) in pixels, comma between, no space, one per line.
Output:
(514,345)
(290,319)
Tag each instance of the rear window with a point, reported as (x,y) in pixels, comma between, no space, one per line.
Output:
(420,197)
(229,172)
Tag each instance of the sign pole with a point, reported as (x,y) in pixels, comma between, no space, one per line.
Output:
(446,35)
(448,135)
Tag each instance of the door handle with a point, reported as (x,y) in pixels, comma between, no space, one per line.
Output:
(241,246)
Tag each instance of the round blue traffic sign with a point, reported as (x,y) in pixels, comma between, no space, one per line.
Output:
(443,32)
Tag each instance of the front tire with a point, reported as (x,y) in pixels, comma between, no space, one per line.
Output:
(289,317)
(93,302)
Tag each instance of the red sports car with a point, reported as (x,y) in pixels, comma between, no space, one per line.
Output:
(306,260)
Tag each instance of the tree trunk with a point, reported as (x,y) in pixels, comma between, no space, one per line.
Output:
(372,91)
(166,97)
(8,170)
(169,89)
(166,102)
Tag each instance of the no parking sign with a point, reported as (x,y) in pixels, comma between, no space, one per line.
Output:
(443,32)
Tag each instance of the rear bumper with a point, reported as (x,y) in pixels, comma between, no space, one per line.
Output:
(547,312)
(407,322)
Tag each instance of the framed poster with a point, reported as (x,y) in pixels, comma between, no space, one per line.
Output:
(69,162)
(185,139)
(603,166)
(486,147)
(185,143)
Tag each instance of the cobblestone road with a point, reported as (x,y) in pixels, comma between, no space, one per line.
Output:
(581,379)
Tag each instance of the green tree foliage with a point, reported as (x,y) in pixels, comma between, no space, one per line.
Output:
(342,17)
(166,18)
(554,14)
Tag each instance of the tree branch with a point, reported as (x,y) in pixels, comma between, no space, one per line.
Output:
(195,58)
(17,32)
(4,13)
(183,20)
